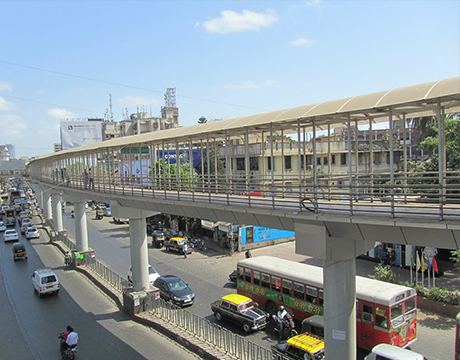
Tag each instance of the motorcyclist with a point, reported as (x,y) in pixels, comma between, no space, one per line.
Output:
(63,337)
(72,338)
(72,214)
(284,319)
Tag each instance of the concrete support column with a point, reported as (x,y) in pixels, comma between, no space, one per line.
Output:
(57,212)
(47,210)
(139,254)
(81,229)
(340,308)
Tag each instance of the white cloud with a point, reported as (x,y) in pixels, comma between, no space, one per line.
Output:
(232,22)
(251,85)
(312,2)
(301,42)
(138,100)
(47,128)
(5,86)
(6,105)
(12,125)
(60,114)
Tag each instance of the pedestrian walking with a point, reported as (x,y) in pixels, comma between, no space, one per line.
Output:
(91,179)
(248,254)
(85,179)
(185,250)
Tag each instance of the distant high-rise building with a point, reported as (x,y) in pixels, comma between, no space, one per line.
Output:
(57,147)
(11,150)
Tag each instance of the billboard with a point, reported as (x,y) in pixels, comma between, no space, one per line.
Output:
(254,234)
(78,133)
(170,156)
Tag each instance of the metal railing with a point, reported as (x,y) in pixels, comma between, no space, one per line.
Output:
(109,276)
(207,332)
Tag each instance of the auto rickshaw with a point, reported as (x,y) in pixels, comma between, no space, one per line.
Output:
(19,251)
(99,214)
(158,239)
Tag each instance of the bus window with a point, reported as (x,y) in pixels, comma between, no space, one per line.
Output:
(312,294)
(287,287)
(321,298)
(367,313)
(247,275)
(256,277)
(240,272)
(276,283)
(381,317)
(396,315)
(298,290)
(265,281)
(409,307)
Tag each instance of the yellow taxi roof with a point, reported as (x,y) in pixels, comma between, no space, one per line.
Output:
(236,299)
(307,342)
(177,238)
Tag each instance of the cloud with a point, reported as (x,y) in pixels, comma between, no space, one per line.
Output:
(251,85)
(232,22)
(138,100)
(5,86)
(301,42)
(12,125)
(47,128)
(60,114)
(6,105)
(312,2)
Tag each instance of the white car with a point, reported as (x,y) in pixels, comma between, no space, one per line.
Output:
(390,352)
(45,281)
(2,226)
(32,233)
(153,274)
(10,235)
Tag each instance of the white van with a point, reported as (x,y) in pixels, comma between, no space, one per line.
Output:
(390,352)
(45,281)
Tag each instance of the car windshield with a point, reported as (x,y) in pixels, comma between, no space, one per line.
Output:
(31,229)
(152,270)
(181,242)
(246,305)
(177,285)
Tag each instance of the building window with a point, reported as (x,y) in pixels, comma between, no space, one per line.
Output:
(388,158)
(333,159)
(254,163)
(377,160)
(318,161)
(240,164)
(269,164)
(287,163)
(343,159)
(325,162)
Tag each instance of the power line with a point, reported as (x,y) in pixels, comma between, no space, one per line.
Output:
(123,85)
(47,103)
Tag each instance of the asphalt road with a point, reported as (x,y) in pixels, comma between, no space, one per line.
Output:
(30,325)
(207,274)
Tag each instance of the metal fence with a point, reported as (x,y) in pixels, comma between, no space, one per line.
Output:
(207,332)
(109,276)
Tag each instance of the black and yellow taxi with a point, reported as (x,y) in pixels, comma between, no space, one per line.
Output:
(241,310)
(19,251)
(300,347)
(177,244)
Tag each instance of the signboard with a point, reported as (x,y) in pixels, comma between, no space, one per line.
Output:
(78,133)
(250,234)
(170,156)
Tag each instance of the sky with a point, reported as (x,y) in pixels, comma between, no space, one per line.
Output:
(62,60)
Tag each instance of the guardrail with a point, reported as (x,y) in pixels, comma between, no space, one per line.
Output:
(207,332)
(109,276)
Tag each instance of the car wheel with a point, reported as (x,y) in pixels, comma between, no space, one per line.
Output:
(247,328)
(218,315)
(57,292)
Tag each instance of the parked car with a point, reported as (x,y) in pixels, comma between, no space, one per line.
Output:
(241,310)
(177,244)
(390,352)
(19,251)
(10,235)
(2,226)
(299,347)
(153,274)
(175,290)
(32,233)
(45,281)
(108,211)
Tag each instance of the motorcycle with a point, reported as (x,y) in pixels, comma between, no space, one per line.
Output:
(68,353)
(198,243)
(288,327)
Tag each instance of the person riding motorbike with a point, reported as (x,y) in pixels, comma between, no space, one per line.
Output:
(72,214)
(69,339)
(284,320)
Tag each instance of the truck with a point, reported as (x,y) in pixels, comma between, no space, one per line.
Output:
(9,217)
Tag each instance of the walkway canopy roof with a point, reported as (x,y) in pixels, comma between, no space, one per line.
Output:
(411,101)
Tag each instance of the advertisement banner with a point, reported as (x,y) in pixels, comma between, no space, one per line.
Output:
(78,133)
(253,234)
